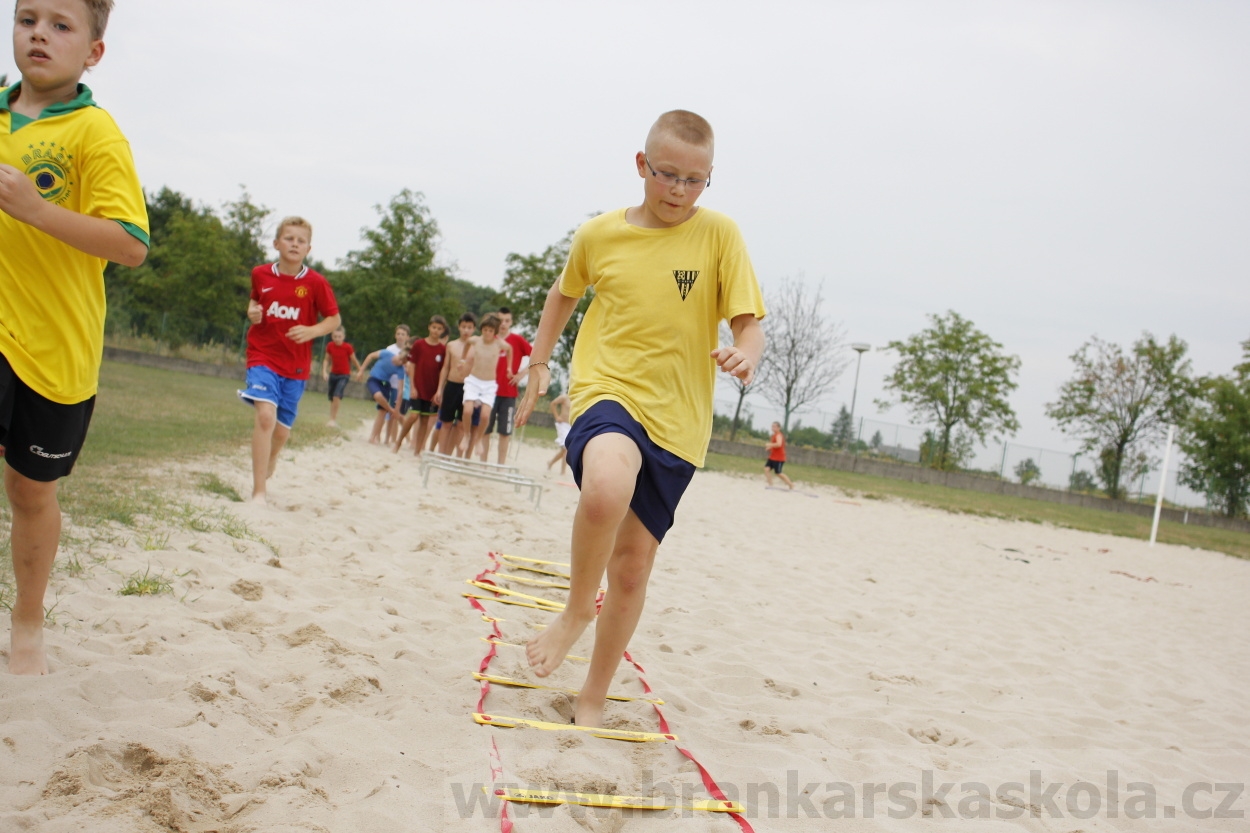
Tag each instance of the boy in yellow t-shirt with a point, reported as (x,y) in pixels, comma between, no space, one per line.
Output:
(70,201)
(665,274)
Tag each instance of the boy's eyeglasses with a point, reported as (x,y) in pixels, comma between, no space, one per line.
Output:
(673,179)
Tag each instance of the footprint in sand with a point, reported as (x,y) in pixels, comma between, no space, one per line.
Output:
(934,735)
(781,690)
(249,590)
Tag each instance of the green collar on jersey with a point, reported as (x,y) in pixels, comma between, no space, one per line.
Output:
(17,120)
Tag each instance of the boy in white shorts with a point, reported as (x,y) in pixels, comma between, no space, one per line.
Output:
(480,385)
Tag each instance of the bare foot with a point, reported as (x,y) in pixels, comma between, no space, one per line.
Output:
(259,499)
(546,651)
(586,713)
(26,654)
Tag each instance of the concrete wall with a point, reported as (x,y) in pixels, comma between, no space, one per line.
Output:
(842,461)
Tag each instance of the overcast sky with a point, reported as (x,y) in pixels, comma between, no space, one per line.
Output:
(1050,170)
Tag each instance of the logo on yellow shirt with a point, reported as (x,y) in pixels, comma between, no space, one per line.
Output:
(49,166)
(685,280)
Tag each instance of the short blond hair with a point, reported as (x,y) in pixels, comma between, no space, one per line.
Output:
(684,126)
(293,221)
(98,16)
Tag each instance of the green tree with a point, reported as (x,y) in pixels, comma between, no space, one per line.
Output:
(527,279)
(1027,471)
(1082,481)
(470,297)
(1216,440)
(394,278)
(1120,404)
(957,376)
(810,436)
(843,430)
(194,285)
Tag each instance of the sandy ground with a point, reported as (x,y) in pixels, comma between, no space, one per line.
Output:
(823,656)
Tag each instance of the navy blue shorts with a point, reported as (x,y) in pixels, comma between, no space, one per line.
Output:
(663,478)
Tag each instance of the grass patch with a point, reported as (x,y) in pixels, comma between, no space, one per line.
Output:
(146,584)
(144,420)
(214,485)
(999,506)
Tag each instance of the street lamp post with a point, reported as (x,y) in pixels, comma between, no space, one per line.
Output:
(860,348)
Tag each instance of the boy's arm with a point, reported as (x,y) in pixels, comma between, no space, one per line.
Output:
(325,364)
(300,334)
(557,310)
(255,312)
(95,236)
(743,357)
(369,359)
(356,362)
(442,378)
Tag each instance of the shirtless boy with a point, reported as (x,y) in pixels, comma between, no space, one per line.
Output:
(480,385)
(450,396)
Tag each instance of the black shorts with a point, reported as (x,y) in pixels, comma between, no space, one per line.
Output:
(423,407)
(452,409)
(41,438)
(663,478)
(338,384)
(502,416)
(774,465)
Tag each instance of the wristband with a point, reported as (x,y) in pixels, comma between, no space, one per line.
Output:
(533,365)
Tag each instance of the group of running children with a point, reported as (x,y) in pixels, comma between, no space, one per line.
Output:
(457,393)
(665,273)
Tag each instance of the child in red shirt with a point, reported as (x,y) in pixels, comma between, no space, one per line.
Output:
(336,369)
(287,300)
(776,456)
(425,365)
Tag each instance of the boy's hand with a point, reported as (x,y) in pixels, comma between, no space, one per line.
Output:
(19,198)
(300,334)
(540,378)
(255,312)
(733,361)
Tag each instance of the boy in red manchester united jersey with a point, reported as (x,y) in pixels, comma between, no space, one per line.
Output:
(287,299)
(336,371)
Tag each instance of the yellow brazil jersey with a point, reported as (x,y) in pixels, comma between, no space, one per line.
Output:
(51,294)
(647,338)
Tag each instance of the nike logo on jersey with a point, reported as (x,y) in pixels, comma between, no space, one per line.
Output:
(266,289)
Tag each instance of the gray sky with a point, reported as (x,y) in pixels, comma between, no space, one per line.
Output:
(1050,170)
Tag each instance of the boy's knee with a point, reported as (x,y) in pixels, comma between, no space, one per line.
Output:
(605,499)
(26,495)
(266,416)
(630,567)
